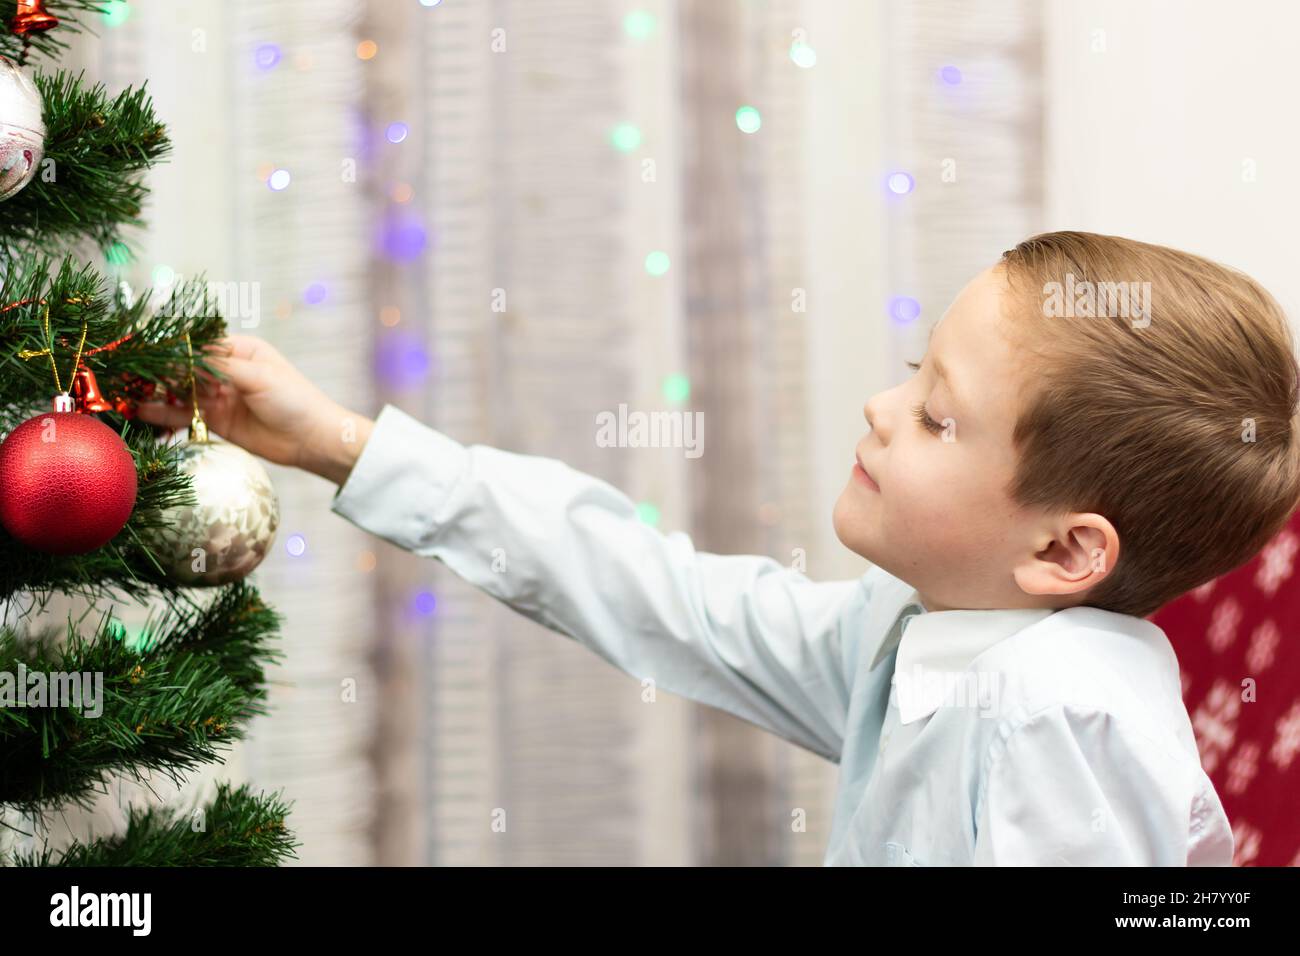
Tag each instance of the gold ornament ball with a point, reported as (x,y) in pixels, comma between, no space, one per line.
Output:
(232,527)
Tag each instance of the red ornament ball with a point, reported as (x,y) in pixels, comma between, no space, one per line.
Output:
(67,483)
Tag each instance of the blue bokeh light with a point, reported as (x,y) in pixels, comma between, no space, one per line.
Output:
(267,56)
(904,308)
(900,183)
(425,603)
(402,237)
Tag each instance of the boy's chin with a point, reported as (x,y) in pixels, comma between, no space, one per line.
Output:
(851,529)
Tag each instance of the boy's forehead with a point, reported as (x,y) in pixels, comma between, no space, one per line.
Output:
(969,321)
(970,342)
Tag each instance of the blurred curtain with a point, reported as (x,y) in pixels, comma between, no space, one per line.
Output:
(483,265)
(212,213)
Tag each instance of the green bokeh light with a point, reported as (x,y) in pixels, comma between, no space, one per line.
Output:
(803,55)
(118,254)
(657,263)
(677,388)
(116,12)
(648,513)
(625,137)
(136,638)
(639,24)
(748,120)
(163,275)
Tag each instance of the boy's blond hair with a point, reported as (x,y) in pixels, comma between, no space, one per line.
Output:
(1180,425)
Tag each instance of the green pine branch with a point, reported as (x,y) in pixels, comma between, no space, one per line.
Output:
(170,701)
(77,294)
(181,693)
(72,14)
(125,566)
(156,352)
(237,828)
(88,185)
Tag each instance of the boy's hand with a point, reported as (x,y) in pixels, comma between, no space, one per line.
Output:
(268,407)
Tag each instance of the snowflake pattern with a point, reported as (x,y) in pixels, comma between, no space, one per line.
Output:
(1242,767)
(1245,837)
(1235,631)
(1286,743)
(1216,723)
(1263,646)
(1276,562)
(1223,625)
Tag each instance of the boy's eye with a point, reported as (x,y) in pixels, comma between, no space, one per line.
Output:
(922,416)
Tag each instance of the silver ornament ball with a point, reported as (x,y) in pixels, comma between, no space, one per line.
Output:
(232,527)
(22,129)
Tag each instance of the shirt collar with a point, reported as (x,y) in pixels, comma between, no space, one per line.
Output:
(936,647)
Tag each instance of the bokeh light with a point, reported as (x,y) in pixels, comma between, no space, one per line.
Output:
(904,308)
(402,237)
(748,120)
(625,137)
(677,388)
(900,183)
(267,56)
(402,361)
(639,24)
(803,55)
(656,263)
(116,12)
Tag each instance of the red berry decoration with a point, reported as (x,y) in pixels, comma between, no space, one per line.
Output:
(67,483)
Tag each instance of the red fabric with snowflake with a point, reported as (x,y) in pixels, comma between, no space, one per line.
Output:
(1243,698)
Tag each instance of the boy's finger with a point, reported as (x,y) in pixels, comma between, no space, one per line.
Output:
(237,346)
(160,413)
(243,374)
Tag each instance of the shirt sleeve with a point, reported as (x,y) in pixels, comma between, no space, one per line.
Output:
(1075,786)
(742,633)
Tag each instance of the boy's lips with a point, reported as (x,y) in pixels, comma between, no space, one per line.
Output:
(862,476)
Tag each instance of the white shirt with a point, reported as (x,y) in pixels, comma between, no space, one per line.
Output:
(1024,737)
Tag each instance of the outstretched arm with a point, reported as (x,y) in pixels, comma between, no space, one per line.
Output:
(739,632)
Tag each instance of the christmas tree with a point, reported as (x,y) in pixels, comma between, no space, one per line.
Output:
(98,506)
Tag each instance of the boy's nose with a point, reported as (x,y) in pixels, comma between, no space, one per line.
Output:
(871,412)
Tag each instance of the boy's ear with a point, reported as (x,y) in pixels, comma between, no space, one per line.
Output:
(1074,554)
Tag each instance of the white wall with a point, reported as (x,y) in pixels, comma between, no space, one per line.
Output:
(1154,113)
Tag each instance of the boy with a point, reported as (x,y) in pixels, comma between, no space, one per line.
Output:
(1056,469)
